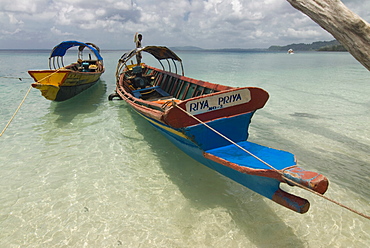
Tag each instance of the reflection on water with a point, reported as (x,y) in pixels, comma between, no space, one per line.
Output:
(206,189)
(66,119)
(305,115)
(92,173)
(84,103)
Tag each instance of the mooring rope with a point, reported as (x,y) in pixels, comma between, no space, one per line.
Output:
(16,111)
(20,79)
(273,168)
(24,98)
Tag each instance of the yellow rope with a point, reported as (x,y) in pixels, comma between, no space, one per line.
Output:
(24,98)
(281,173)
(16,111)
(20,79)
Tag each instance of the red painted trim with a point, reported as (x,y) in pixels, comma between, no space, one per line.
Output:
(290,201)
(178,119)
(309,179)
(245,170)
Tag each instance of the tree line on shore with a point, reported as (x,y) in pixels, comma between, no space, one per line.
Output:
(333,45)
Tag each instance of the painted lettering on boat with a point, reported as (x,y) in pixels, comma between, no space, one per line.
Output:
(228,99)
(195,106)
(218,101)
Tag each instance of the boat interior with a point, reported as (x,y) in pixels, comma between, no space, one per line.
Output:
(152,84)
(85,66)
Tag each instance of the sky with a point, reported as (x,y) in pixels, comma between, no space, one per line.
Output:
(209,24)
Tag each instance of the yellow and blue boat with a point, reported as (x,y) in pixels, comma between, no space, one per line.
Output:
(60,82)
(210,123)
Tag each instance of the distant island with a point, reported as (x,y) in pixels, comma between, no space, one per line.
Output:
(186,48)
(332,46)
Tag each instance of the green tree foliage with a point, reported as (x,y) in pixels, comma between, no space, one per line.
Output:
(333,45)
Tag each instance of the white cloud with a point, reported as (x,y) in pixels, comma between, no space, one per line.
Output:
(58,32)
(204,23)
(13,20)
(20,6)
(10,32)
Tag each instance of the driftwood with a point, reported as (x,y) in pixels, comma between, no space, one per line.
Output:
(347,27)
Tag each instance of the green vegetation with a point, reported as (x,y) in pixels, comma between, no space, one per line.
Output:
(333,45)
(335,48)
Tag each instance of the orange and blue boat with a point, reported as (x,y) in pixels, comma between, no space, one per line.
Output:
(210,123)
(60,82)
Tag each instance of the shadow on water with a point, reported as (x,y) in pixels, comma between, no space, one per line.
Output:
(205,189)
(305,115)
(343,167)
(59,116)
(85,102)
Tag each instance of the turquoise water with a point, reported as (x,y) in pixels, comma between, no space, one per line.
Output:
(91,173)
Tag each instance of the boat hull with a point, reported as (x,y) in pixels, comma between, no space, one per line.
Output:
(264,182)
(61,85)
(210,123)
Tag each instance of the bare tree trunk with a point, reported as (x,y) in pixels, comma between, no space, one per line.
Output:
(347,27)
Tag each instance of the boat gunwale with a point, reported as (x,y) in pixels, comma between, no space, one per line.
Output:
(167,110)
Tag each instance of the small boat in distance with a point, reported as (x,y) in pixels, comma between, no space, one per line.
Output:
(60,82)
(210,123)
(290,51)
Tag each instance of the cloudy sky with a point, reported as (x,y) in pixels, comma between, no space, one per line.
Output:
(111,24)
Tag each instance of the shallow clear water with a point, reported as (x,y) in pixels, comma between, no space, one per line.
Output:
(91,173)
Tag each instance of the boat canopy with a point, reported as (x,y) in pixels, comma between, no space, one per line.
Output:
(58,52)
(159,52)
(61,49)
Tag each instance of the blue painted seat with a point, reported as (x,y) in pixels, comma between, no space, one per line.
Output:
(137,93)
(276,158)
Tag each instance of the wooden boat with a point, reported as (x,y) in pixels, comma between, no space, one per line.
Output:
(210,123)
(60,82)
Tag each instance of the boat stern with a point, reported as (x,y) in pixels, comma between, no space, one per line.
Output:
(48,82)
(48,77)
(240,163)
(293,202)
(308,179)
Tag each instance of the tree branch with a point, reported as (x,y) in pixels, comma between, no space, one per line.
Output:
(348,28)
